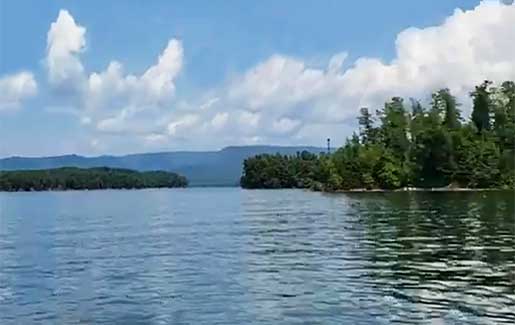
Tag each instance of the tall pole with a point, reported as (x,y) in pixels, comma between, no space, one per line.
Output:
(328,146)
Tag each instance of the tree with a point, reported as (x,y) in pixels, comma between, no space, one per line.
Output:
(366,123)
(425,148)
(93,178)
(452,114)
(394,127)
(481,107)
(388,171)
(508,90)
(416,108)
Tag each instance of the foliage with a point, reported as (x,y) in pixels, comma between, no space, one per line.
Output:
(409,146)
(71,178)
(482,107)
(278,171)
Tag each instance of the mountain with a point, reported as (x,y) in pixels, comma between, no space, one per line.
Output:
(202,168)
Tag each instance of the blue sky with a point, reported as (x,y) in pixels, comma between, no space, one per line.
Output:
(236,72)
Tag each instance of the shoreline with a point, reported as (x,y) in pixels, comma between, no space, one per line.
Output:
(421,189)
(349,191)
(91,189)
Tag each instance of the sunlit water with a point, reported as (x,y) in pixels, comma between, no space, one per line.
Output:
(230,256)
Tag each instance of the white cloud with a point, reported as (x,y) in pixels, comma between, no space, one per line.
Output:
(180,126)
(65,41)
(111,89)
(113,124)
(248,120)
(155,138)
(15,88)
(285,125)
(158,79)
(278,82)
(336,62)
(467,48)
(220,120)
(110,100)
(111,94)
(285,99)
(210,102)
(85,120)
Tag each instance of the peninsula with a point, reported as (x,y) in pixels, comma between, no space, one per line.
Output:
(406,146)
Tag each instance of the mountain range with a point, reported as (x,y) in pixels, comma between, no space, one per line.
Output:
(202,168)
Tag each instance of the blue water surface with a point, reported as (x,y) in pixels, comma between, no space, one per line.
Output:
(232,256)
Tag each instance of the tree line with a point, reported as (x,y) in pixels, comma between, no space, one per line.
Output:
(71,178)
(408,144)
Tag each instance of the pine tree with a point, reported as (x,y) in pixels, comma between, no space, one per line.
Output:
(366,124)
(481,107)
(451,112)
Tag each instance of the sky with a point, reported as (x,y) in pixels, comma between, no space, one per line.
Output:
(115,77)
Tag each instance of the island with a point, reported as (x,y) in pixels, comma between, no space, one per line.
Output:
(409,146)
(72,178)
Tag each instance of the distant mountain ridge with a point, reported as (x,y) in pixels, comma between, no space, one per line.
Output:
(202,168)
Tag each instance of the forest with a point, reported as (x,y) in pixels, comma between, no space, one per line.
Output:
(71,178)
(409,144)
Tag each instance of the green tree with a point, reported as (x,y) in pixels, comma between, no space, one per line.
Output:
(368,132)
(422,147)
(452,114)
(481,107)
(395,127)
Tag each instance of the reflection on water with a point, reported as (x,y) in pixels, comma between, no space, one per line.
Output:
(229,256)
(443,254)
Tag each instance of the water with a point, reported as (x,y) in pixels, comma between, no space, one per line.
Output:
(230,256)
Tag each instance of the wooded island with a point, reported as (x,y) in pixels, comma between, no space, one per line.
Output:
(71,178)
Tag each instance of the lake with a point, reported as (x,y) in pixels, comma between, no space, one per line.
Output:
(231,256)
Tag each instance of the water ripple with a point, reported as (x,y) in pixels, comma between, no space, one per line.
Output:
(229,256)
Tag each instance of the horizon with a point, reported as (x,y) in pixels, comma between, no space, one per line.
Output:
(211,76)
(165,152)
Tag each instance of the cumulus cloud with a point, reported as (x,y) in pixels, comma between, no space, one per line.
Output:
(470,46)
(65,41)
(284,125)
(113,89)
(111,100)
(182,124)
(116,101)
(284,99)
(278,82)
(15,88)
(220,120)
